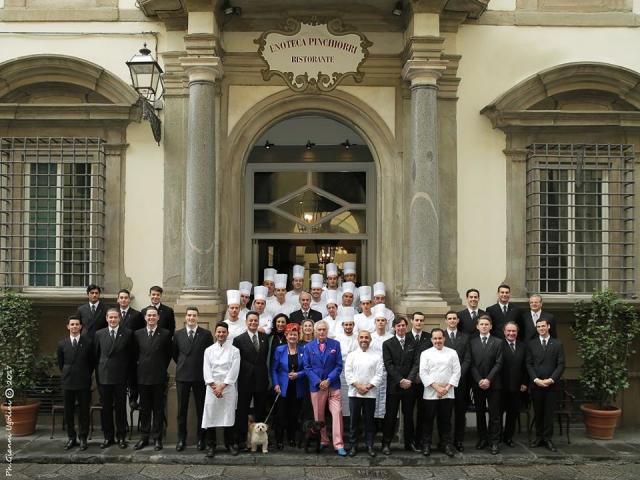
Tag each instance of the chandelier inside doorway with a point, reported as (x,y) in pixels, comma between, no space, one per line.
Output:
(327,251)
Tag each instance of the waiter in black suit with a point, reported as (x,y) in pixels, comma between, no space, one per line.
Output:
(470,315)
(545,365)
(114,354)
(93,313)
(131,319)
(486,372)
(305,312)
(76,362)
(153,354)
(422,341)
(529,319)
(398,355)
(514,379)
(459,341)
(502,311)
(189,345)
(167,319)
(253,379)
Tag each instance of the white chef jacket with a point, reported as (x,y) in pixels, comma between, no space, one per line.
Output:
(333,326)
(439,366)
(363,367)
(377,341)
(293,297)
(274,307)
(365,323)
(347,345)
(221,365)
(320,306)
(235,328)
(265,322)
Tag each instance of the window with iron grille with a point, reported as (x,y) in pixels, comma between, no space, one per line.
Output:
(52,212)
(580,220)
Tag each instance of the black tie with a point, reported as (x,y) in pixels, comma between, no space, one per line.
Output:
(150,333)
(513,347)
(402,343)
(93,309)
(544,343)
(484,342)
(113,335)
(504,309)
(124,313)
(255,342)
(305,315)
(417,337)
(453,336)
(474,316)
(75,343)
(191,335)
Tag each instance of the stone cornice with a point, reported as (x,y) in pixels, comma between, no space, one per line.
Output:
(176,82)
(73,112)
(202,69)
(202,44)
(423,47)
(423,72)
(509,120)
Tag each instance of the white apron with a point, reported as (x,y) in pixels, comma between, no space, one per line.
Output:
(381,392)
(221,365)
(347,345)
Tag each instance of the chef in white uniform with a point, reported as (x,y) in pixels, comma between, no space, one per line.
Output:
(297,282)
(245,293)
(378,337)
(349,275)
(265,322)
(235,324)
(220,369)
(278,303)
(317,302)
(379,297)
(365,320)
(332,314)
(331,270)
(348,343)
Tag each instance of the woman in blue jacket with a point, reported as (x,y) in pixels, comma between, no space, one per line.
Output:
(287,374)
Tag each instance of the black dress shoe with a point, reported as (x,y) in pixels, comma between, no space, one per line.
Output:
(371,451)
(550,446)
(494,449)
(535,443)
(70,444)
(481,444)
(211,452)
(202,445)
(107,443)
(509,443)
(180,445)
(83,444)
(459,446)
(353,452)
(143,442)
(426,450)
(157,445)
(386,449)
(234,450)
(122,443)
(411,447)
(449,450)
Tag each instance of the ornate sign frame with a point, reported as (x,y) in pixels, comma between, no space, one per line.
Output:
(315,80)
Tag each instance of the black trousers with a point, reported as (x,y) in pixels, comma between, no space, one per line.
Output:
(544,409)
(365,407)
(418,390)
(229,436)
(439,411)
(151,406)
(460,405)
(242,412)
(394,400)
(511,404)
(199,391)
(114,400)
(488,400)
(83,397)
(287,415)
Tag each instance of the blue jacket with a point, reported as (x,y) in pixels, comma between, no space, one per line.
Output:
(325,365)
(280,370)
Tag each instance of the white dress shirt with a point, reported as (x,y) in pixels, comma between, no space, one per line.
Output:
(439,366)
(365,368)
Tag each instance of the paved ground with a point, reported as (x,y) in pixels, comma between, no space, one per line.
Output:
(39,457)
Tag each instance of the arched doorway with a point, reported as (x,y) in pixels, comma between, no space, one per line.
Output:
(310,198)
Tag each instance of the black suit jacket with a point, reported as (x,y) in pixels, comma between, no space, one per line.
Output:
(189,356)
(545,363)
(114,359)
(499,318)
(92,322)
(76,363)
(514,367)
(467,325)
(425,338)
(461,346)
(167,319)
(528,329)
(152,356)
(399,363)
(254,371)
(486,362)
(133,320)
(297,317)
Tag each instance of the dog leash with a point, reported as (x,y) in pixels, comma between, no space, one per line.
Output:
(272,407)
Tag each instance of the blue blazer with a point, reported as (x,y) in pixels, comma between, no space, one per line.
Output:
(325,365)
(280,370)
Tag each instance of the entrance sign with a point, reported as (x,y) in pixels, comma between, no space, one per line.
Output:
(313,54)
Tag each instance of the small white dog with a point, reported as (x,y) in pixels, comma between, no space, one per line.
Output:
(258,436)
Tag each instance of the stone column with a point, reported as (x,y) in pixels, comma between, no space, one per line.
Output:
(200,191)
(423,282)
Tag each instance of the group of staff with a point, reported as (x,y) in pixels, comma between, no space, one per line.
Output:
(361,364)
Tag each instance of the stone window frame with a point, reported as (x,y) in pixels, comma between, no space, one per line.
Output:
(115,106)
(516,114)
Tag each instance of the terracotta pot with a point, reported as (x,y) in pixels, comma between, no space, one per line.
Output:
(22,417)
(600,423)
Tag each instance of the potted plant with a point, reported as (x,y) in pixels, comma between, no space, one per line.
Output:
(19,362)
(604,329)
